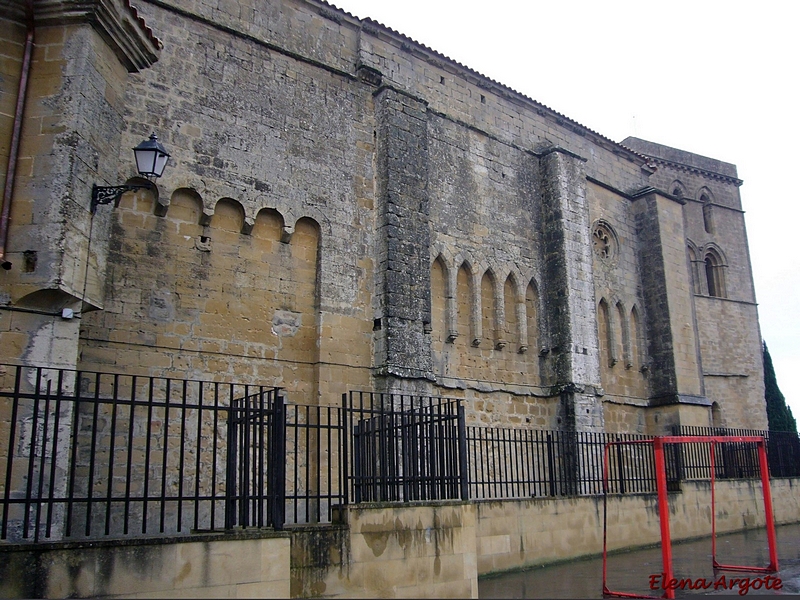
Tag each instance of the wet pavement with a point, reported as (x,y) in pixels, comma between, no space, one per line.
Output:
(630,571)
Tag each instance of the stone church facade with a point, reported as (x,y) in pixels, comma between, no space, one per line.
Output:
(347,209)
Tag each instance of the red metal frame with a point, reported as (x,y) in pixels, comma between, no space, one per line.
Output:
(663,507)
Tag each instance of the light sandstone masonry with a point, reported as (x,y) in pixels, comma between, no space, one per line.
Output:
(345,208)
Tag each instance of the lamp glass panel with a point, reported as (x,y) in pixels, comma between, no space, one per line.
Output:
(160,164)
(145,161)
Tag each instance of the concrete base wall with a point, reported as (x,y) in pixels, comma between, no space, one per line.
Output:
(390,551)
(521,533)
(383,550)
(198,567)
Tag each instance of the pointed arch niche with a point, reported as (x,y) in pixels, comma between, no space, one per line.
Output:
(277,278)
(692,254)
(303,296)
(677,189)
(439,303)
(488,309)
(511,334)
(716,415)
(608,346)
(467,327)
(638,345)
(532,317)
(707,200)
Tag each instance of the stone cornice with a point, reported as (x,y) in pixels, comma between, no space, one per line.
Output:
(697,171)
(635,194)
(423,53)
(115,20)
(646,191)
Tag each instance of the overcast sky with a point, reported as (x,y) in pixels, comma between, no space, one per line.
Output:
(715,78)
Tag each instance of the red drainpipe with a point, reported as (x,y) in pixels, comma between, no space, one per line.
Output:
(13,153)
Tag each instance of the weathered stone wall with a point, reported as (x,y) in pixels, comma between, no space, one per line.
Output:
(201,299)
(345,208)
(624,359)
(478,103)
(288,152)
(725,321)
(403,294)
(73,119)
(668,300)
(12,43)
(732,364)
(448,150)
(486,236)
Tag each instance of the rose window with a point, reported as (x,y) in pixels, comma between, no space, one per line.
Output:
(604,241)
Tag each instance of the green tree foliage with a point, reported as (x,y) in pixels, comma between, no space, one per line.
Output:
(779,415)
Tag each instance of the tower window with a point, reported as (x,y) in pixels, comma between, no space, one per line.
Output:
(708,223)
(715,277)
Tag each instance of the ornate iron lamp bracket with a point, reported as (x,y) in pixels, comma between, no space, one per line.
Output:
(107,194)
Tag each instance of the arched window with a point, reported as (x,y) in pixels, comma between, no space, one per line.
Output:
(708,222)
(715,276)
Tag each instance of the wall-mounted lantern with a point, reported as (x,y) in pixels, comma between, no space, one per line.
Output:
(151,159)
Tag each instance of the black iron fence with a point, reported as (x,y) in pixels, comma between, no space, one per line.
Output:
(405,447)
(734,460)
(525,463)
(86,455)
(314,465)
(92,454)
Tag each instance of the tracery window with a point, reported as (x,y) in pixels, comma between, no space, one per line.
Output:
(604,241)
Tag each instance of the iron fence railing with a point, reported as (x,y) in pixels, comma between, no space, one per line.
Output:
(783,454)
(88,454)
(739,460)
(314,469)
(85,455)
(404,447)
(525,463)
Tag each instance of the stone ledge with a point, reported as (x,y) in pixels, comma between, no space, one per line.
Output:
(115,20)
(667,399)
(148,541)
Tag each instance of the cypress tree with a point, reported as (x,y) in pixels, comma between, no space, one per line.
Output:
(779,415)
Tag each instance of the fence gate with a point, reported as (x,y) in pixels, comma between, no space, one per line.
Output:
(409,448)
(256,465)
